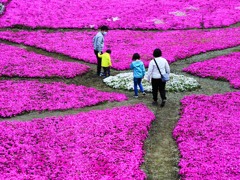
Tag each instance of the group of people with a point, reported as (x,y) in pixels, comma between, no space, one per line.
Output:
(158,66)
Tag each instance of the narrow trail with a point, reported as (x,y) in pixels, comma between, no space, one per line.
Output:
(28,28)
(162,156)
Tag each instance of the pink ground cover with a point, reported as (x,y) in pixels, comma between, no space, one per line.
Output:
(174,44)
(226,67)
(23,96)
(4,1)
(207,135)
(101,144)
(15,61)
(143,14)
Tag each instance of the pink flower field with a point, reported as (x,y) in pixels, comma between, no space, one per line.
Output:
(20,62)
(100,144)
(45,46)
(208,137)
(17,97)
(226,67)
(143,14)
(174,44)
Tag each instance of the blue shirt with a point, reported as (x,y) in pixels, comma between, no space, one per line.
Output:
(138,69)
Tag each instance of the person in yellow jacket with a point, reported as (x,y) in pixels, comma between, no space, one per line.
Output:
(106,62)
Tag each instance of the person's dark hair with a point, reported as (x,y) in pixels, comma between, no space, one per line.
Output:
(108,51)
(135,56)
(157,53)
(104,28)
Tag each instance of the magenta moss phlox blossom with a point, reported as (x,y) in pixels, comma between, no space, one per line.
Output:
(19,96)
(227,67)
(100,144)
(144,14)
(15,61)
(174,44)
(208,136)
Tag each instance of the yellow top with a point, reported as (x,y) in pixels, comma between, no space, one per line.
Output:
(106,59)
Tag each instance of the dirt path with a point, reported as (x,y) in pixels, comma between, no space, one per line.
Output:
(162,155)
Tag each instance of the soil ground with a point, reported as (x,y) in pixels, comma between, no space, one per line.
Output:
(162,155)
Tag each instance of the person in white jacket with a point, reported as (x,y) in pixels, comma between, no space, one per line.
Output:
(154,76)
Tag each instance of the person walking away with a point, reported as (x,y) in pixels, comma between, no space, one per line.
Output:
(154,76)
(98,44)
(138,74)
(106,62)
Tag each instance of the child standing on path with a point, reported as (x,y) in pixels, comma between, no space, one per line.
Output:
(106,62)
(138,73)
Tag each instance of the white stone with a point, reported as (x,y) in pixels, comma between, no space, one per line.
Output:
(192,8)
(115,18)
(178,13)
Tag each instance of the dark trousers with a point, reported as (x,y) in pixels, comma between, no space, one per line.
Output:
(158,85)
(106,71)
(99,62)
